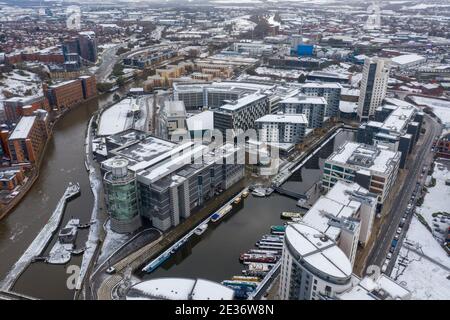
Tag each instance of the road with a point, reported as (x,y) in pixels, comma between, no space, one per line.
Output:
(109,59)
(383,242)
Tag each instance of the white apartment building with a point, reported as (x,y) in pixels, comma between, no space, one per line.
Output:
(282,128)
(313,267)
(373,86)
(373,167)
(345,214)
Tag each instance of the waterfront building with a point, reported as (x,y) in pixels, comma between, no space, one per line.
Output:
(64,95)
(11,178)
(374,168)
(346,215)
(242,113)
(68,94)
(312,107)
(397,125)
(173,181)
(26,141)
(330,91)
(89,86)
(282,128)
(313,267)
(14,106)
(121,196)
(373,86)
(179,289)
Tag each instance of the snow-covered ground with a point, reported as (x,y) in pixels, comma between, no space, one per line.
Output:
(424,278)
(17,84)
(111,243)
(437,199)
(441,108)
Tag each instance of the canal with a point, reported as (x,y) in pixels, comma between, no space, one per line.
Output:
(215,254)
(63,163)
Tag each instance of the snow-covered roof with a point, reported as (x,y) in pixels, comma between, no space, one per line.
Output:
(301,99)
(201,121)
(179,289)
(407,59)
(378,158)
(318,251)
(382,288)
(242,102)
(284,118)
(22,130)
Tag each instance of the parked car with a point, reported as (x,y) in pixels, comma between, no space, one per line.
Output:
(399,230)
(384,267)
(389,256)
(396,237)
(111,270)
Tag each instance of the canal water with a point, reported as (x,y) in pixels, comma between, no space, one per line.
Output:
(215,254)
(63,163)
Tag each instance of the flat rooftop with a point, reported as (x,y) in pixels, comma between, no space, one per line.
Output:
(284,118)
(303,99)
(374,158)
(22,129)
(242,102)
(341,202)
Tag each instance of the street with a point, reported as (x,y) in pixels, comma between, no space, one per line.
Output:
(383,242)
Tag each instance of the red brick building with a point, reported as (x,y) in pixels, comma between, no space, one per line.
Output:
(64,95)
(442,146)
(89,84)
(10,178)
(14,106)
(26,141)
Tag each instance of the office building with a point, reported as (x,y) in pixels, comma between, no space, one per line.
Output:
(346,215)
(312,107)
(84,45)
(313,267)
(89,86)
(121,197)
(330,91)
(373,86)
(374,168)
(241,114)
(282,128)
(397,125)
(172,181)
(172,119)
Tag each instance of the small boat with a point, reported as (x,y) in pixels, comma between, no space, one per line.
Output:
(245,194)
(215,217)
(260,267)
(291,215)
(244,284)
(156,263)
(200,230)
(277,229)
(259,251)
(246,278)
(259,193)
(237,200)
(252,273)
(269,191)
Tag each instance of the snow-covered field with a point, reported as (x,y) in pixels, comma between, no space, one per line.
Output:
(26,84)
(441,108)
(424,278)
(437,198)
